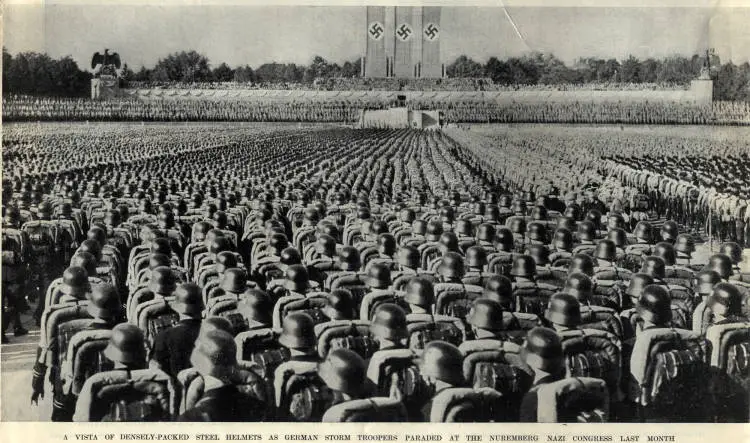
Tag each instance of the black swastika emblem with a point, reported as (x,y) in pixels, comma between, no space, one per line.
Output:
(404,32)
(431,31)
(376,30)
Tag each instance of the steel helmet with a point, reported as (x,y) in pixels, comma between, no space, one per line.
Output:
(486,232)
(389,322)
(542,350)
(562,240)
(188,300)
(518,225)
(606,250)
(379,276)
(442,361)
(344,370)
(298,331)
(500,289)
(582,263)
(654,266)
(540,254)
(290,256)
(504,240)
(162,280)
(726,300)
(732,250)
(296,278)
(215,354)
(463,228)
(568,223)
(644,231)
(485,314)
(669,231)
(685,244)
(586,231)
(619,237)
(563,309)
(126,345)
(654,305)
(523,266)
(580,286)
(705,281)
(419,291)
(339,305)
(537,232)
(408,256)
(721,264)
(476,257)
(434,231)
(225,260)
(449,241)
(104,302)
(387,244)
(452,266)
(666,252)
(349,259)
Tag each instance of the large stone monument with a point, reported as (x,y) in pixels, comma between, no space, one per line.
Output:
(106,81)
(703,87)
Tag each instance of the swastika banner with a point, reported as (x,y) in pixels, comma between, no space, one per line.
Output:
(403,34)
(376,36)
(431,36)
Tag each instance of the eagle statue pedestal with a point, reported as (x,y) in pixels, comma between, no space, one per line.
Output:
(104,87)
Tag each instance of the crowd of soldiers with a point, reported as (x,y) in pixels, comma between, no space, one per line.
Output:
(24,108)
(361,275)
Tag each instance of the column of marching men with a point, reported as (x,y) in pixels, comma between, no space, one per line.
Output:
(368,292)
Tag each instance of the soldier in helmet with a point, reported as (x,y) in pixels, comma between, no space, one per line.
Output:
(388,327)
(387,247)
(344,372)
(172,346)
(420,295)
(685,247)
(705,282)
(127,350)
(476,262)
(339,305)
(643,237)
(500,289)
(441,368)
(378,279)
(543,353)
(606,269)
(586,237)
(215,358)
(734,252)
(725,303)
(562,245)
(105,311)
(298,335)
(15,261)
(486,320)
(669,232)
(563,312)
(582,263)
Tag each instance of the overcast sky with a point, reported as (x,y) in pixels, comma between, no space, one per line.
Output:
(252,34)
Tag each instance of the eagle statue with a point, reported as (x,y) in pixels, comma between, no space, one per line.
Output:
(108,61)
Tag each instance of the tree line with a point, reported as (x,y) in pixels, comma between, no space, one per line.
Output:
(38,74)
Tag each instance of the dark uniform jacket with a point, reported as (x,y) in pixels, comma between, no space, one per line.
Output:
(172,347)
(530,402)
(225,404)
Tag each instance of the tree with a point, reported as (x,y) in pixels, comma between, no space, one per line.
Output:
(244,74)
(223,73)
(464,66)
(183,66)
(127,74)
(629,71)
(648,69)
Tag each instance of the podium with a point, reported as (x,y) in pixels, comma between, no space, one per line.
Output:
(104,87)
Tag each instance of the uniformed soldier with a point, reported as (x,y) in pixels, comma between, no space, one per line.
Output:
(340,305)
(388,327)
(215,358)
(486,319)
(420,295)
(126,349)
(172,347)
(563,312)
(344,372)
(441,368)
(298,335)
(499,288)
(725,303)
(542,352)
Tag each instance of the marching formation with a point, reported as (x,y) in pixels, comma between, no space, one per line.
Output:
(335,275)
(312,109)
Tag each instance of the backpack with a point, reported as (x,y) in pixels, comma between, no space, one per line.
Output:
(574,399)
(353,335)
(260,347)
(301,395)
(375,409)
(467,405)
(424,328)
(399,367)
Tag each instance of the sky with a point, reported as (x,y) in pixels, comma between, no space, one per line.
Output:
(254,34)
